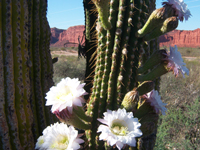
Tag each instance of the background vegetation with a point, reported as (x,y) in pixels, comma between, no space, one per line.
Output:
(180,128)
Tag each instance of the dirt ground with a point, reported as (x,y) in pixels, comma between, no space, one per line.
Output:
(75,53)
(66,53)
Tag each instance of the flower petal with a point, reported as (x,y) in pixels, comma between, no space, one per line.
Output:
(154,99)
(176,62)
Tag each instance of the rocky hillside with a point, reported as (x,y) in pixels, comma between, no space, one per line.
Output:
(59,37)
(181,38)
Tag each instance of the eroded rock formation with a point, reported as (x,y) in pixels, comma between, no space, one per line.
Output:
(181,38)
(67,36)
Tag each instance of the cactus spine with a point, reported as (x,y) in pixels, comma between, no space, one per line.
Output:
(26,72)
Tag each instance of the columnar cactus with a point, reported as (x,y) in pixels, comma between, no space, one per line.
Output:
(127,36)
(25,72)
(118,56)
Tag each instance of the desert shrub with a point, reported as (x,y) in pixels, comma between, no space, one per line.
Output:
(179,129)
(54,48)
(63,48)
(178,91)
(73,48)
(69,66)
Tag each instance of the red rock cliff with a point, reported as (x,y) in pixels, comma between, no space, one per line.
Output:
(55,34)
(70,35)
(181,38)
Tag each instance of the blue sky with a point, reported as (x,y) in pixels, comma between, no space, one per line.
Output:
(65,13)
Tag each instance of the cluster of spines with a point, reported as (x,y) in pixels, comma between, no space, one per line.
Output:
(90,44)
(116,55)
(30,64)
(114,5)
(145,51)
(36,70)
(95,100)
(124,50)
(9,130)
(20,123)
(108,52)
(131,64)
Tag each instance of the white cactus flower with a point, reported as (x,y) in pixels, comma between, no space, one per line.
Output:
(120,128)
(176,62)
(155,101)
(180,8)
(66,94)
(59,137)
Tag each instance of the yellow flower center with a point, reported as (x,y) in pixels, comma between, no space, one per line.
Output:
(63,93)
(61,143)
(119,129)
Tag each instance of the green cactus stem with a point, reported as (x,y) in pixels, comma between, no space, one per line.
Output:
(103,11)
(156,58)
(148,123)
(158,71)
(145,87)
(124,61)
(26,73)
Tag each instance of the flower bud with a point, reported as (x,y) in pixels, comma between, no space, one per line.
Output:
(156,18)
(130,101)
(168,25)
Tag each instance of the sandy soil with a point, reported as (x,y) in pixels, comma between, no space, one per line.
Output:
(75,53)
(67,53)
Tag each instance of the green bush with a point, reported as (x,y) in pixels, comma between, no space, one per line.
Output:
(178,91)
(69,66)
(63,48)
(54,48)
(179,129)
